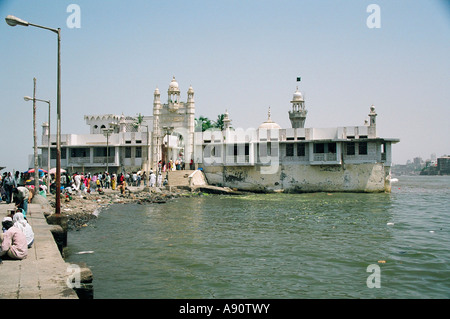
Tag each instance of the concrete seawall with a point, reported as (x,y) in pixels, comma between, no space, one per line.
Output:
(43,274)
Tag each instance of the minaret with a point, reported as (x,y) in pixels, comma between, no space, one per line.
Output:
(156,153)
(226,121)
(372,122)
(372,117)
(190,113)
(122,124)
(298,113)
(173,95)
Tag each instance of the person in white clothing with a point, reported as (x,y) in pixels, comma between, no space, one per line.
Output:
(21,223)
(152,179)
(77,179)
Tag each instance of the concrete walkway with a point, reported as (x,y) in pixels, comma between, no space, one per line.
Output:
(43,274)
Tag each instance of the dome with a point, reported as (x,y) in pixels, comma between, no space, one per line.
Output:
(156,91)
(297,96)
(269,124)
(173,86)
(191,90)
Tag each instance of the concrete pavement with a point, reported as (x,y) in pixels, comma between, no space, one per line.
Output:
(43,274)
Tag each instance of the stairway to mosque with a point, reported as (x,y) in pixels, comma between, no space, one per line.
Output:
(179,178)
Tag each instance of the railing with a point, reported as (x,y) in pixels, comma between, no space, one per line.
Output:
(325,157)
(102,159)
(78,160)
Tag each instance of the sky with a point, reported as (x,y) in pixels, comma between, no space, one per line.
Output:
(242,56)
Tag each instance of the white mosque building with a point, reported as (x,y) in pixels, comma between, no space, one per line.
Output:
(119,143)
(297,159)
(266,159)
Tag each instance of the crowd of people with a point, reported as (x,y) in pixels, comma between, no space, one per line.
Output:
(19,188)
(79,182)
(15,189)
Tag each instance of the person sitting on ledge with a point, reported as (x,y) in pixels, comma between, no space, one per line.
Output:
(21,223)
(13,241)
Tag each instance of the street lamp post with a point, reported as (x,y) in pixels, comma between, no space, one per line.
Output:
(13,21)
(107,132)
(168,132)
(148,158)
(27,98)
(36,169)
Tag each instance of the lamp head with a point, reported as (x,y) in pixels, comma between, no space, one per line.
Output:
(13,21)
(27,98)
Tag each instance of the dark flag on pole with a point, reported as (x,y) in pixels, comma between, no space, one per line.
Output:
(299,79)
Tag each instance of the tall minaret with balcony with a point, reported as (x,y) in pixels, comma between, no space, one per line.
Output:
(190,113)
(173,96)
(372,122)
(298,113)
(156,154)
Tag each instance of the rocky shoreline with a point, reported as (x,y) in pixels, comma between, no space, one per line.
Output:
(80,209)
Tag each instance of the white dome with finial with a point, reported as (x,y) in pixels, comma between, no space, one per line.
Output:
(269,124)
(297,96)
(173,86)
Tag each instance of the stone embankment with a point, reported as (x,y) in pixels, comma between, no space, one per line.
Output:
(80,208)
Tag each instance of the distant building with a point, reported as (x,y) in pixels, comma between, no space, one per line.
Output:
(443,165)
(115,143)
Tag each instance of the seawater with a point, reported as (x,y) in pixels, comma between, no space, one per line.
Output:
(316,245)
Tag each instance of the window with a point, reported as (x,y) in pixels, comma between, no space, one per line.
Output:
(262,149)
(332,148)
(138,153)
(53,153)
(237,149)
(319,148)
(301,149)
(100,151)
(128,152)
(79,152)
(290,149)
(362,148)
(351,148)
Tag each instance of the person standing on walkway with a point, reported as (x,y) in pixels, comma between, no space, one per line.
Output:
(21,198)
(9,184)
(13,241)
